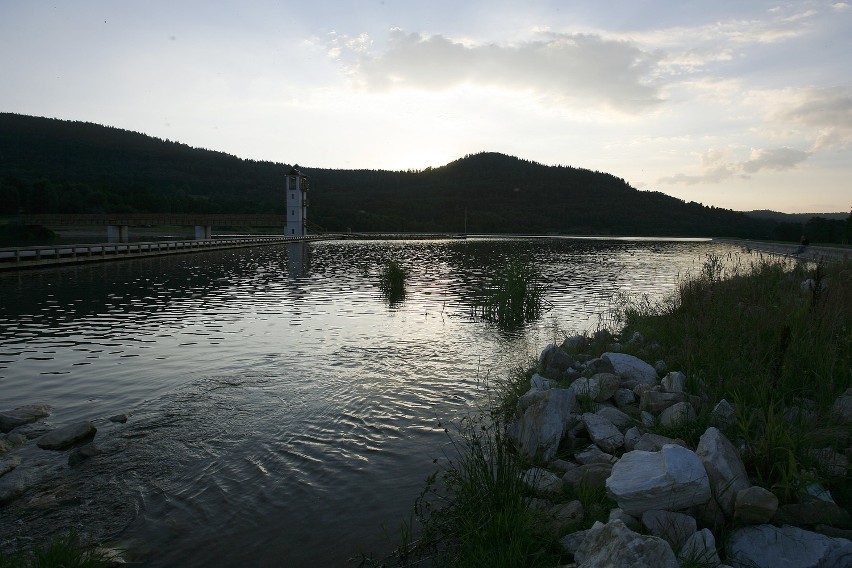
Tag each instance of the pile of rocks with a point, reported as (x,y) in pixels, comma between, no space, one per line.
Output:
(22,427)
(671,498)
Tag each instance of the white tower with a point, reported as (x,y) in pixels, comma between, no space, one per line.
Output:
(297,203)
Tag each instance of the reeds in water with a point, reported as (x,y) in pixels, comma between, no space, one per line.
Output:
(392,282)
(514,296)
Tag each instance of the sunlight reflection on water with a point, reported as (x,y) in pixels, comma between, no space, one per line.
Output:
(281,411)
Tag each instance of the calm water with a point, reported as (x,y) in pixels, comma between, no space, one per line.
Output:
(282,413)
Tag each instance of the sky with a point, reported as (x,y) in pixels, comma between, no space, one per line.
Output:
(739,104)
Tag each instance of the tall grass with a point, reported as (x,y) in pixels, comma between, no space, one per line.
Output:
(514,296)
(475,510)
(749,332)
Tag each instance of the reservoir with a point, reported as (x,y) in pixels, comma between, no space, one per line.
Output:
(281,411)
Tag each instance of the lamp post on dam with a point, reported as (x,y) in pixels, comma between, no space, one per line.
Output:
(297,203)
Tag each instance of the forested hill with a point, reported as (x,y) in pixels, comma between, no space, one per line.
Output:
(50,165)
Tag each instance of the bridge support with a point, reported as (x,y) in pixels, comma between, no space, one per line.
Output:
(118,234)
(203,232)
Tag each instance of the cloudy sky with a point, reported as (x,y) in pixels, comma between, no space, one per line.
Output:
(732,103)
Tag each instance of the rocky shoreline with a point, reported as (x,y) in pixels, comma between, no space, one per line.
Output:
(677,506)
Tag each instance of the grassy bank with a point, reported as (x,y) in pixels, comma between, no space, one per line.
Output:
(772,336)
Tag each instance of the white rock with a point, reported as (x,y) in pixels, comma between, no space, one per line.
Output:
(724,467)
(650,442)
(678,414)
(571,542)
(624,397)
(700,550)
(670,479)
(538,433)
(674,382)
(768,546)
(613,545)
(593,454)
(755,505)
(672,527)
(608,384)
(541,383)
(603,432)
(543,482)
(723,414)
(631,436)
(655,401)
(631,368)
(619,419)
(629,521)
(586,389)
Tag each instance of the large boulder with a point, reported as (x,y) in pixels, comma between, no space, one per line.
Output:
(768,546)
(538,432)
(670,479)
(631,368)
(11,419)
(603,432)
(724,467)
(67,436)
(613,545)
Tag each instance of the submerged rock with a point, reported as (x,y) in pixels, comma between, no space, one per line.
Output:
(67,436)
(11,419)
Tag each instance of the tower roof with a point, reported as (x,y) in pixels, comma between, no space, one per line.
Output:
(294,171)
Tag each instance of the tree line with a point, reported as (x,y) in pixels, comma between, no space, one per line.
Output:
(56,166)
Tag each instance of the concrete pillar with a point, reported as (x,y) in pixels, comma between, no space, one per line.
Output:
(118,234)
(203,232)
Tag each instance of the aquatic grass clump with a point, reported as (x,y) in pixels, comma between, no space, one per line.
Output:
(513,297)
(392,282)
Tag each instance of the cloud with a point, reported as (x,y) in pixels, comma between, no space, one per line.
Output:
(777,159)
(572,68)
(718,165)
(827,112)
